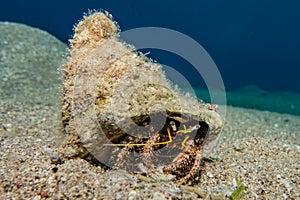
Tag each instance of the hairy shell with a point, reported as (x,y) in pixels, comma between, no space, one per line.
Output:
(113,94)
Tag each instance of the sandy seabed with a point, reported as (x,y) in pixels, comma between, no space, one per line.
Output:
(259,148)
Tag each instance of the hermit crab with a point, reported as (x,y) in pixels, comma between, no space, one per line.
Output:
(119,109)
(176,147)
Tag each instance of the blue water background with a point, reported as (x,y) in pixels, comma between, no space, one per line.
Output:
(253,42)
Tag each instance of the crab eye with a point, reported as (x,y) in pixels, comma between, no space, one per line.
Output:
(173,125)
(196,127)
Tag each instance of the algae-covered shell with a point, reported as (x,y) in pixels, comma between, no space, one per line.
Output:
(111,90)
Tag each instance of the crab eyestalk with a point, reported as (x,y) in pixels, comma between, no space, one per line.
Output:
(120,110)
